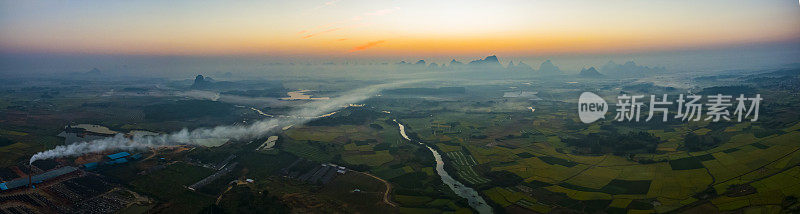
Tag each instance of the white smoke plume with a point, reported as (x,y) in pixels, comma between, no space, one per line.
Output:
(227,98)
(235,132)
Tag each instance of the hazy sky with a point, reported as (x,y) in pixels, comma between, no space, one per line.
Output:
(357,28)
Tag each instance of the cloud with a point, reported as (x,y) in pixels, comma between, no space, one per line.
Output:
(356,21)
(366,46)
(326,4)
(328,26)
(342,39)
(321,32)
(332,2)
(382,12)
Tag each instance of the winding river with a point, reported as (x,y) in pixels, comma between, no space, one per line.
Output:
(475,200)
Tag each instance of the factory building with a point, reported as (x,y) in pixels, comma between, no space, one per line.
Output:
(90,166)
(20,182)
(113,159)
(117,156)
(323,173)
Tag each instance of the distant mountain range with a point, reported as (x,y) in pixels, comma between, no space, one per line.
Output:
(519,67)
(547,68)
(201,82)
(489,60)
(591,72)
(489,63)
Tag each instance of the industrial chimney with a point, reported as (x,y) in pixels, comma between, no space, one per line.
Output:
(30,175)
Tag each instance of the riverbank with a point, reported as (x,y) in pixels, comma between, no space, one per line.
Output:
(473,197)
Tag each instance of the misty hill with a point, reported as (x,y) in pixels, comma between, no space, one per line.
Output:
(434,66)
(97,74)
(547,68)
(519,67)
(490,62)
(418,65)
(629,68)
(590,72)
(94,71)
(201,82)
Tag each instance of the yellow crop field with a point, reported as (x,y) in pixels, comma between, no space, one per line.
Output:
(636,172)
(586,159)
(791,138)
(719,170)
(377,159)
(728,203)
(688,201)
(614,160)
(702,131)
(302,135)
(534,167)
(620,203)
(640,211)
(786,182)
(447,148)
(10,132)
(770,209)
(795,127)
(496,154)
(630,196)
(520,170)
(678,183)
(428,171)
(354,147)
(743,138)
(580,195)
(495,195)
(737,127)
(585,196)
(595,177)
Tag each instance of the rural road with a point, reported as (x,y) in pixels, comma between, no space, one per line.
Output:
(388,189)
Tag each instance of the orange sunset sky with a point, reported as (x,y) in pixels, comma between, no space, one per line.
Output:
(391,28)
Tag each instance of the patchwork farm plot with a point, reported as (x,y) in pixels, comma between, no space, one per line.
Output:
(464,167)
(667,180)
(769,166)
